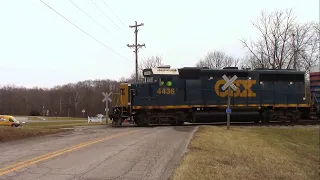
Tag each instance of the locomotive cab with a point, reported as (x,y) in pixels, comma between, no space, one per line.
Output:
(159,87)
(156,93)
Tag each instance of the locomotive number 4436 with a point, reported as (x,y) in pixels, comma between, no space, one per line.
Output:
(169,91)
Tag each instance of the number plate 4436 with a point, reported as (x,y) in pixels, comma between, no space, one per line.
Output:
(168,91)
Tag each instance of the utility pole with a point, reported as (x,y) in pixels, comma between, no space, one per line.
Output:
(294,52)
(136,46)
(60,110)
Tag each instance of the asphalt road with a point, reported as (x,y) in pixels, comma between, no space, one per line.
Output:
(97,153)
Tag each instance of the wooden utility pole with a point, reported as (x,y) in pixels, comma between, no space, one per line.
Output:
(60,110)
(294,52)
(136,46)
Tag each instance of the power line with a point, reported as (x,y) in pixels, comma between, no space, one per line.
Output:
(113,13)
(83,30)
(102,15)
(106,15)
(91,18)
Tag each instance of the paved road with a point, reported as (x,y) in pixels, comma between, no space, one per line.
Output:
(97,153)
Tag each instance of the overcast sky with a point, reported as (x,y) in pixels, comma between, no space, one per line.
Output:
(40,48)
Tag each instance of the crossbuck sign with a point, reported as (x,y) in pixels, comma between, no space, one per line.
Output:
(107,99)
(229,84)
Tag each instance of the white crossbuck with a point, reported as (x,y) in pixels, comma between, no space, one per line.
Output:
(229,82)
(106,97)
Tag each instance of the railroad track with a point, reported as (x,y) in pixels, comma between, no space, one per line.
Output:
(303,122)
(300,123)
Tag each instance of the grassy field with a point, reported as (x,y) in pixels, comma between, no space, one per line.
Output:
(39,129)
(252,153)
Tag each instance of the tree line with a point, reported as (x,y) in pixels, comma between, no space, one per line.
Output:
(284,43)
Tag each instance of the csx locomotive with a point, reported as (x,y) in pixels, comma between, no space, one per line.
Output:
(189,94)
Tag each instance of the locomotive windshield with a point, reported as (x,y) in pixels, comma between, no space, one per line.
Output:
(148,79)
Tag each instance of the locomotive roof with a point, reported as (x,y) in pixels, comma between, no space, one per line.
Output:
(217,71)
(193,72)
(196,72)
(160,71)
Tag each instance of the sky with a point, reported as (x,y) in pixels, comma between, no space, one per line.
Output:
(40,48)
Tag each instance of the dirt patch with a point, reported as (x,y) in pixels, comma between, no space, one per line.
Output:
(40,129)
(10,134)
(251,153)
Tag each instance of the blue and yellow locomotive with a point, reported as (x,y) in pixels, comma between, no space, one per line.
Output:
(174,96)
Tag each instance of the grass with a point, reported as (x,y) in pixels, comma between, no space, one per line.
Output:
(54,118)
(251,153)
(39,129)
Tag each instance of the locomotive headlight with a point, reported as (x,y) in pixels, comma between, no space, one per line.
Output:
(290,82)
(304,98)
(261,82)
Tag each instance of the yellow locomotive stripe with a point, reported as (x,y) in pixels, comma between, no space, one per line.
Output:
(204,106)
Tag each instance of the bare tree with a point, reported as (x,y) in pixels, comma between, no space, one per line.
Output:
(77,99)
(283,44)
(249,61)
(67,99)
(150,62)
(307,44)
(217,60)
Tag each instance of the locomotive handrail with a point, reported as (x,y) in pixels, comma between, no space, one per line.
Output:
(115,99)
(315,102)
(314,98)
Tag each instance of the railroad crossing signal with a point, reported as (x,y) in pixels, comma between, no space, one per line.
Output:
(229,84)
(106,97)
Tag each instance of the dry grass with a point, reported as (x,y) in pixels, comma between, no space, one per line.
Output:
(252,153)
(10,134)
(39,129)
(54,118)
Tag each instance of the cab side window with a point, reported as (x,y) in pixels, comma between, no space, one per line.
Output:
(11,120)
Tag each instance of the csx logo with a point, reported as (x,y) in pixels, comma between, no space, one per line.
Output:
(245,92)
